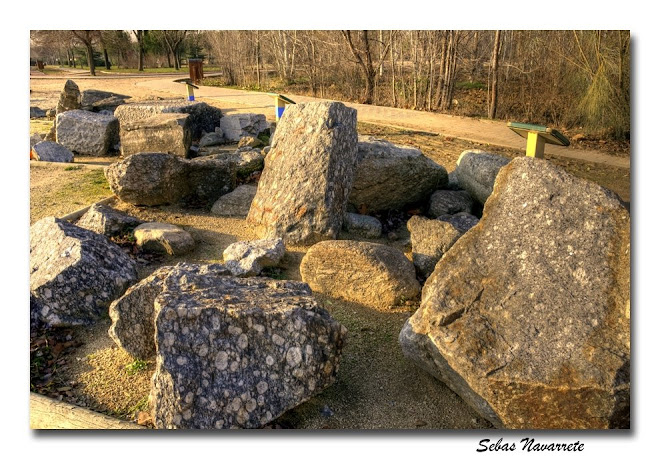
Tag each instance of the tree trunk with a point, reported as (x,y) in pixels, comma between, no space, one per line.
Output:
(106,58)
(90,59)
(494,65)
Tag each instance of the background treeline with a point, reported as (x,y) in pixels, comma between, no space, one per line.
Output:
(567,79)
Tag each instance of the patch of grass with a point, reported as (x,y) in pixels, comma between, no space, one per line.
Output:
(142,405)
(136,366)
(73,168)
(470,85)
(40,126)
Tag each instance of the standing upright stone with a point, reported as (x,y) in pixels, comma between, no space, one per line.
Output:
(308,174)
(69,98)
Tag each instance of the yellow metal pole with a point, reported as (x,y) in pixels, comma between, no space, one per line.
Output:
(191,92)
(535,145)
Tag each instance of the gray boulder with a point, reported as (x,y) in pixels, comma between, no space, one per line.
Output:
(476,171)
(163,238)
(449,202)
(527,317)
(389,177)
(364,272)
(97,101)
(203,117)
(162,133)
(430,240)
(236,203)
(51,151)
(209,179)
(212,139)
(110,222)
(69,98)
(36,112)
(74,274)
(249,258)
(35,139)
(247,160)
(303,190)
(243,124)
(362,225)
(462,221)
(87,133)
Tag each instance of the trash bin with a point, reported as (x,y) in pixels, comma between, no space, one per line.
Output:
(196,68)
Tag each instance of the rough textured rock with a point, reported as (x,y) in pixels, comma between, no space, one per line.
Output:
(250,141)
(389,177)
(74,274)
(163,238)
(212,139)
(527,317)
(133,314)
(161,133)
(51,151)
(105,220)
(96,101)
(430,240)
(308,174)
(476,171)
(449,202)
(236,203)
(203,117)
(36,112)
(153,179)
(148,179)
(462,221)
(87,133)
(231,352)
(35,139)
(243,124)
(69,98)
(363,225)
(364,272)
(246,161)
(249,258)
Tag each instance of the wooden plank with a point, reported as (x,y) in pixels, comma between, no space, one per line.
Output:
(47,413)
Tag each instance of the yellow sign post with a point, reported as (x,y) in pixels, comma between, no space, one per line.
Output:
(537,136)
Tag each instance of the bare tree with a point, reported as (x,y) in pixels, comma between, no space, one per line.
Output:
(494,67)
(363,55)
(87,38)
(173,39)
(139,36)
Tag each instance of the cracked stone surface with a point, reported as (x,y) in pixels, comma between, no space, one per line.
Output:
(87,133)
(527,316)
(74,274)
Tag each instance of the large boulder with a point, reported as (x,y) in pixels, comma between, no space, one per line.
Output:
(69,98)
(308,174)
(476,171)
(527,317)
(96,101)
(51,151)
(430,240)
(236,203)
(87,133)
(163,238)
(243,124)
(390,177)
(364,272)
(153,179)
(249,258)
(164,133)
(203,117)
(74,274)
(110,222)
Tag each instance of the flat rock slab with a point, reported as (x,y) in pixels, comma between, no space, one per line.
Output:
(308,174)
(105,220)
(527,316)
(51,151)
(161,133)
(96,101)
(236,203)
(363,225)
(249,258)
(163,238)
(364,272)
(74,274)
(430,240)
(87,133)
(390,177)
(476,171)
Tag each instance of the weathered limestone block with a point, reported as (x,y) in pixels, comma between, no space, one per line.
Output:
(389,177)
(203,117)
(51,151)
(69,98)
(236,203)
(105,220)
(364,272)
(249,258)
(308,174)
(74,274)
(476,171)
(240,125)
(161,133)
(363,225)
(449,202)
(163,238)
(527,317)
(87,133)
(430,239)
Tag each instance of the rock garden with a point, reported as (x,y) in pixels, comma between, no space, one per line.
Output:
(300,275)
